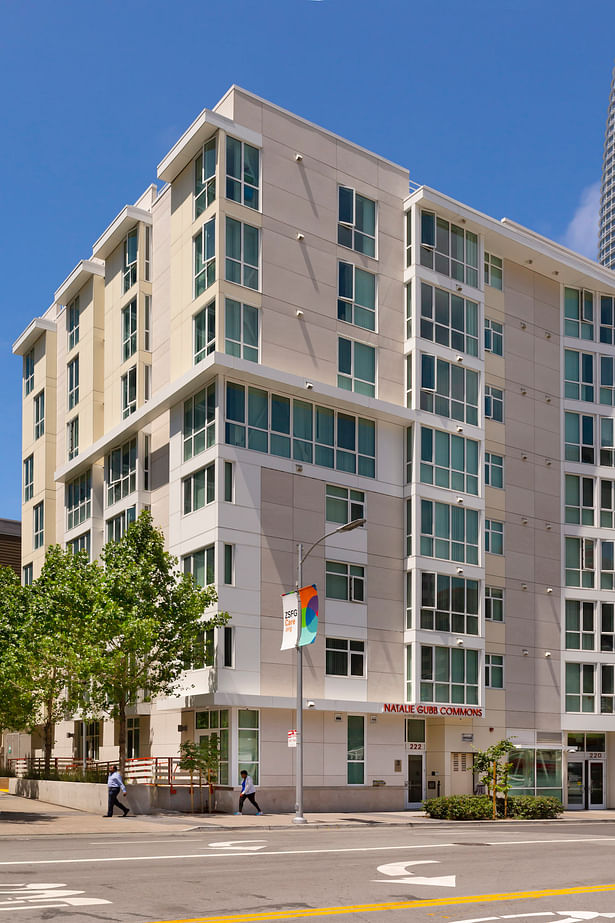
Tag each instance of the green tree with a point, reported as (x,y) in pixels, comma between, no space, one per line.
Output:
(148,616)
(494,770)
(17,700)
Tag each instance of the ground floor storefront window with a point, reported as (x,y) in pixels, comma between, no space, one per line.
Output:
(214,725)
(248,739)
(536,772)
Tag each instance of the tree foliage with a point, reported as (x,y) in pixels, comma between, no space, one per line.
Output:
(493,768)
(17,701)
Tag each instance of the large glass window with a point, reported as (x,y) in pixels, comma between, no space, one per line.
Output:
(78,500)
(494,603)
(578,375)
(129,330)
(213,725)
(494,337)
(201,564)
(147,323)
(449,249)
(449,675)
(129,392)
(494,404)
(494,671)
(607,319)
(28,478)
(580,625)
(607,446)
(200,421)
(299,430)
(241,323)
(494,470)
(205,257)
(607,504)
(344,657)
(121,472)
(578,314)
(72,377)
(242,173)
(248,733)
(449,320)
(28,372)
(39,414)
(130,259)
(536,772)
(205,177)
(449,532)
(199,489)
(356,366)
(355,754)
(449,604)
(80,543)
(38,518)
(72,438)
(343,504)
(607,565)
(345,581)
(449,390)
(116,527)
(579,438)
(356,301)
(494,536)
(449,461)
(204,332)
(356,227)
(580,687)
(579,496)
(580,561)
(242,253)
(493,272)
(72,323)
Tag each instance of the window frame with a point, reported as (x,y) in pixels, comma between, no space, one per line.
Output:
(129,387)
(191,485)
(72,323)
(28,478)
(206,194)
(243,346)
(129,329)
(246,270)
(28,372)
(72,383)
(253,189)
(39,414)
(38,525)
(494,667)
(78,500)
(348,380)
(204,259)
(347,304)
(347,228)
(72,438)
(494,338)
(129,272)
(354,577)
(121,472)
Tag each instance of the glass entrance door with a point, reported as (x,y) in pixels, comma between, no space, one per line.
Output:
(576,785)
(595,780)
(415,780)
(586,785)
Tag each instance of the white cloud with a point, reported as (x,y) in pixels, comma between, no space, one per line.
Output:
(582,232)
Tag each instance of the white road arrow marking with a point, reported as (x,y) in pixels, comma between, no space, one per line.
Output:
(401,868)
(573,916)
(238,844)
(35,894)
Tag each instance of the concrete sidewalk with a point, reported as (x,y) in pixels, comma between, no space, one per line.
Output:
(26,817)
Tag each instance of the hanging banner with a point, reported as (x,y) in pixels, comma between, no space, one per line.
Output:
(290,621)
(308,600)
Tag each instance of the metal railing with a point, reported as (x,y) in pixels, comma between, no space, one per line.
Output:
(145,770)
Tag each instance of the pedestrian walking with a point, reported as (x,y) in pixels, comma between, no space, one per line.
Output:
(247,791)
(115,784)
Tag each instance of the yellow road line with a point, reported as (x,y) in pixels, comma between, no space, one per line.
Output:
(395,905)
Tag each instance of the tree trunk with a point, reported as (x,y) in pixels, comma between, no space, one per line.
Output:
(494,786)
(122,734)
(48,736)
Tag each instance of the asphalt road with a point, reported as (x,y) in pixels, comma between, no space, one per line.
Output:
(535,872)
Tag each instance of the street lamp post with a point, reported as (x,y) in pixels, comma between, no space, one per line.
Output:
(348,527)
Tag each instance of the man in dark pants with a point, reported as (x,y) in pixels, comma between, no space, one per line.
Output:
(247,791)
(115,784)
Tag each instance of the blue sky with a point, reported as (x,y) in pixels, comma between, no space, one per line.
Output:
(501,105)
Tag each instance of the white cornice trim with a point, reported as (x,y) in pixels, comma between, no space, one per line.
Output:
(75,281)
(33,331)
(117,230)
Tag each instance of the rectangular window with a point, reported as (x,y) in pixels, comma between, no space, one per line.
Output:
(409,673)
(38,518)
(578,314)
(408,310)
(449,390)
(408,600)
(579,494)
(314,434)
(229,564)
(215,724)
(147,263)
(28,372)
(129,330)
(72,323)
(409,238)
(494,671)
(242,253)
(129,392)
(147,323)
(607,450)
(578,375)
(133,736)
(241,325)
(356,366)
(72,375)
(408,454)
(607,319)
(72,438)
(408,527)
(205,257)
(449,249)
(607,627)
(28,575)
(200,421)
(607,504)
(494,470)
(205,177)
(607,380)
(449,532)
(449,461)
(494,603)
(449,320)
(580,562)
(494,337)
(78,500)
(449,604)
(116,527)
(147,382)
(121,472)
(579,438)
(356,227)
(493,272)
(580,625)
(344,658)
(449,675)
(580,687)
(199,489)
(345,581)
(204,332)
(355,756)
(28,478)
(414,731)
(39,414)
(229,482)
(248,725)
(409,380)
(494,404)
(607,565)
(228,653)
(201,564)
(242,173)
(356,296)
(342,504)
(147,461)
(494,536)
(130,259)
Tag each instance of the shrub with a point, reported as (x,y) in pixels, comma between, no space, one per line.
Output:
(6,771)
(534,806)
(91,775)
(460,807)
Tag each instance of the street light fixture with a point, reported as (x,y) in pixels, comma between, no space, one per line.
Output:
(347,527)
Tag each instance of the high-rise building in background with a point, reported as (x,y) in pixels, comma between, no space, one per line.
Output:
(282,338)
(606,248)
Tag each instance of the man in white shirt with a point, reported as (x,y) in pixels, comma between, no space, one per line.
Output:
(115,784)
(247,791)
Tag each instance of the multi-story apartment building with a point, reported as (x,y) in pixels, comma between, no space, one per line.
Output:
(606,245)
(282,339)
